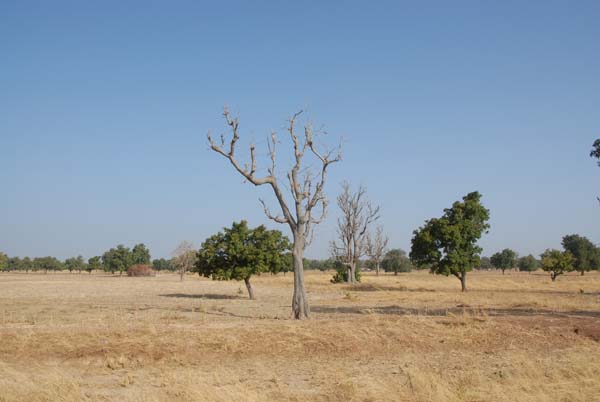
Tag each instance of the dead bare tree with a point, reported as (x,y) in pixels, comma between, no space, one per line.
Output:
(307,196)
(357,215)
(184,257)
(377,246)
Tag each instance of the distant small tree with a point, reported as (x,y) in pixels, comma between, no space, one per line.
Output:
(505,259)
(184,258)
(239,252)
(74,264)
(396,261)
(557,262)
(584,252)
(3,261)
(47,264)
(448,245)
(485,263)
(527,263)
(140,255)
(14,264)
(376,247)
(162,264)
(94,264)
(117,259)
(357,214)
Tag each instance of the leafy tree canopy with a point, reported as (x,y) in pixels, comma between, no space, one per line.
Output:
(595,152)
(94,264)
(504,259)
(584,252)
(557,262)
(74,264)
(3,261)
(396,261)
(448,245)
(140,254)
(117,259)
(239,252)
(527,263)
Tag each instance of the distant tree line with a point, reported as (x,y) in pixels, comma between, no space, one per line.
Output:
(115,260)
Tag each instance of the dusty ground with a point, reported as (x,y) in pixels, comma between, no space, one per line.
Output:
(414,337)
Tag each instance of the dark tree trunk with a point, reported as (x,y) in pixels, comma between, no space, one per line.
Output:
(582,272)
(503,271)
(300,307)
(553,276)
(249,287)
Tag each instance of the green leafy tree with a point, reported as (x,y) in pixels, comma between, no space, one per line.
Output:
(485,263)
(117,259)
(14,264)
(94,264)
(595,152)
(140,255)
(557,262)
(239,252)
(47,264)
(162,264)
(527,263)
(448,245)
(396,261)
(584,251)
(505,259)
(74,264)
(26,264)
(3,262)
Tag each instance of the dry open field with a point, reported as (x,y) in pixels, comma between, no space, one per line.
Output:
(414,337)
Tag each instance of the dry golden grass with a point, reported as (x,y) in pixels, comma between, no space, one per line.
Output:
(413,337)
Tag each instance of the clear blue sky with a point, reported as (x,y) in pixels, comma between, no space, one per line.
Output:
(105,107)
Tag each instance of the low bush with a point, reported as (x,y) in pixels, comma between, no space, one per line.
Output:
(140,270)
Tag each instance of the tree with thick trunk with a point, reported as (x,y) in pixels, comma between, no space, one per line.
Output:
(307,194)
(377,247)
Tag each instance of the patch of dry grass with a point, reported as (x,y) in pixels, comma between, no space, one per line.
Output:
(414,337)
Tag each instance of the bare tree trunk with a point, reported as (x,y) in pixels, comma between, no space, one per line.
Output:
(182,273)
(377,268)
(249,287)
(582,272)
(463,282)
(352,276)
(300,307)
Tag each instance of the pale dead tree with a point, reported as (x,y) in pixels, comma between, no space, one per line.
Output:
(376,247)
(184,258)
(309,205)
(357,215)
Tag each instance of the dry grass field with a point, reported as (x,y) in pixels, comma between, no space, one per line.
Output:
(413,337)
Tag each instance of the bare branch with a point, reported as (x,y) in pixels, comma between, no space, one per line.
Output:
(278,219)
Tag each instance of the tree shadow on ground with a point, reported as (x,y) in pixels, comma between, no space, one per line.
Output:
(211,296)
(442,312)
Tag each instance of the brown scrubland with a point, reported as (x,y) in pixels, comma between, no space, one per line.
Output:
(411,337)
